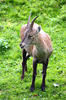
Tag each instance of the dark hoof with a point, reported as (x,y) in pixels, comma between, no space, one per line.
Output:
(43,88)
(32,88)
(22,77)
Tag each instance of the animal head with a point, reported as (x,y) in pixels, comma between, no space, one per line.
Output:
(30,34)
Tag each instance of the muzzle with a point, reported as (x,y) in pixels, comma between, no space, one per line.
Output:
(22,45)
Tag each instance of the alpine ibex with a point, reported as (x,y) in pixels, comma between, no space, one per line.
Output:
(35,42)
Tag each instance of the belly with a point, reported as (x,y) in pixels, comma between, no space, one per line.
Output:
(40,54)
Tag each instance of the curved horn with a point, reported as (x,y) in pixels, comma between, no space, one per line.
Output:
(28,20)
(33,22)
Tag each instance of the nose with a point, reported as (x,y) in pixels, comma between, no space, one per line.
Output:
(22,45)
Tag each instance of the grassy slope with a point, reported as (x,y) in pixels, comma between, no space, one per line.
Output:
(52,19)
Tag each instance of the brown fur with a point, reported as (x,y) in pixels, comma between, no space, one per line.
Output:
(43,40)
(38,44)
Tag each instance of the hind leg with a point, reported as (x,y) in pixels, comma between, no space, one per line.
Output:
(27,57)
(44,75)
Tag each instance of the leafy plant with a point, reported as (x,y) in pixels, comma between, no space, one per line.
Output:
(3,45)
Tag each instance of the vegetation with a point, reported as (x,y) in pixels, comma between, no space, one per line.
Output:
(52,18)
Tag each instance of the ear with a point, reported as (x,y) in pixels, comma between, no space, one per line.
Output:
(38,29)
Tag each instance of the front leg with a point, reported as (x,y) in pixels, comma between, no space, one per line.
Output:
(23,63)
(34,74)
(44,75)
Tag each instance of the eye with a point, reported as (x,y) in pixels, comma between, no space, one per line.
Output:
(29,36)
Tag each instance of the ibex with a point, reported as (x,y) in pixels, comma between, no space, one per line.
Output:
(36,43)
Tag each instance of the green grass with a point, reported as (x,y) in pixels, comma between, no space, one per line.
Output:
(52,18)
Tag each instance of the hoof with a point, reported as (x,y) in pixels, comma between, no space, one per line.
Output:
(32,88)
(22,77)
(43,88)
